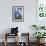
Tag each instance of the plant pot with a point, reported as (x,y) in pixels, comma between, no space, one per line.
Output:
(40,41)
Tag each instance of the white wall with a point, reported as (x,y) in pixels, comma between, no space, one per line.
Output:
(6,15)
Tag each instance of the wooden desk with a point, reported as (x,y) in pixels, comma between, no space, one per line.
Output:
(8,34)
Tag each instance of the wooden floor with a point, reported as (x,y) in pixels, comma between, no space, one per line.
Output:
(13,44)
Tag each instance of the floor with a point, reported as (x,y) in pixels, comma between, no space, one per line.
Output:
(13,44)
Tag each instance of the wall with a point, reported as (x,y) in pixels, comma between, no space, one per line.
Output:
(6,15)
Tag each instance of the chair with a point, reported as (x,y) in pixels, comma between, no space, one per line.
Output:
(14,32)
(7,35)
(26,41)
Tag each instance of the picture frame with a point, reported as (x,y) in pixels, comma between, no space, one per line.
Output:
(18,13)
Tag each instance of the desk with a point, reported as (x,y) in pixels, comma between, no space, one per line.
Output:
(8,34)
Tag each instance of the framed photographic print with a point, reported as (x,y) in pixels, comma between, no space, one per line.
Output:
(17,13)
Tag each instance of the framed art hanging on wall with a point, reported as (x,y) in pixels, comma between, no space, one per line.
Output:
(17,13)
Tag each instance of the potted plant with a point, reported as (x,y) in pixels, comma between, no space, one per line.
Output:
(39,35)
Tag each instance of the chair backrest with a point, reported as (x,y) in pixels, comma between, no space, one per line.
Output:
(24,37)
(14,30)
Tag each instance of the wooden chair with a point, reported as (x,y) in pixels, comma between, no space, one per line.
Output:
(25,36)
(8,34)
